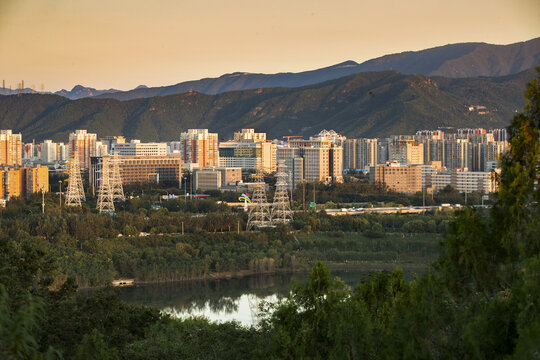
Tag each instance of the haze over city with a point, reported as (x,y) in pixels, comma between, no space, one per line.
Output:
(123,44)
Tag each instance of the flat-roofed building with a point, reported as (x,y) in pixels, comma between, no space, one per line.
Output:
(465,181)
(139,170)
(398,177)
(137,148)
(207,179)
(37,179)
(248,155)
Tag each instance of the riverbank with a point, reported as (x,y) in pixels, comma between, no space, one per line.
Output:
(302,268)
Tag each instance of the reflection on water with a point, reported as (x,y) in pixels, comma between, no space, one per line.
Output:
(224,299)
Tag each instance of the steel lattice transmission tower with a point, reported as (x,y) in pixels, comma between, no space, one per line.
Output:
(259,213)
(75,191)
(105,203)
(281,208)
(115,179)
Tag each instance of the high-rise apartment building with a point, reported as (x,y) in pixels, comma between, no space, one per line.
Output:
(10,148)
(37,179)
(360,153)
(199,147)
(406,151)
(322,159)
(85,144)
(48,151)
(23,181)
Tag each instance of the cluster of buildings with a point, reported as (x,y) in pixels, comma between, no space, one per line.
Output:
(17,179)
(431,160)
(426,161)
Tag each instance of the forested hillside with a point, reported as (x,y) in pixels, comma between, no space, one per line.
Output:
(373,104)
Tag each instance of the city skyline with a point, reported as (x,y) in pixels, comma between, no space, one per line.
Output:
(124,44)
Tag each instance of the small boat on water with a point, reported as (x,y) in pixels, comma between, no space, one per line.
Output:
(123,282)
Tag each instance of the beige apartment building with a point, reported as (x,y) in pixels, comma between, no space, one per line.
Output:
(37,179)
(400,178)
(23,181)
(85,144)
(198,146)
(10,148)
(465,181)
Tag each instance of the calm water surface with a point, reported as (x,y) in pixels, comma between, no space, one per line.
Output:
(224,299)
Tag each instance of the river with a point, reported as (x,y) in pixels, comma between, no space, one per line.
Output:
(224,299)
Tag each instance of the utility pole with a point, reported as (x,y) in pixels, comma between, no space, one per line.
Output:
(60,202)
(314,202)
(42,201)
(303,195)
(423,200)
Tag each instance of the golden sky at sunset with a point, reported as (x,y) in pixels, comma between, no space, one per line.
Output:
(124,43)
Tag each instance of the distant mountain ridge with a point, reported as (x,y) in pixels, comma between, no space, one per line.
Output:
(370,104)
(454,61)
(79,92)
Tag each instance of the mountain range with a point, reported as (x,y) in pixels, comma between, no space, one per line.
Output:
(453,61)
(366,104)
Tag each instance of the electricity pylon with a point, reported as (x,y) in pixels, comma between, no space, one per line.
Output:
(281,208)
(75,190)
(115,179)
(259,213)
(105,202)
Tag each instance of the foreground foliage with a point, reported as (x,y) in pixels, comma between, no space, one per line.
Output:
(480,300)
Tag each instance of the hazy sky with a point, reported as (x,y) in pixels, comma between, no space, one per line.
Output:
(125,43)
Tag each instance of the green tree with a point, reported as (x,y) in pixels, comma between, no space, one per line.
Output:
(93,347)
